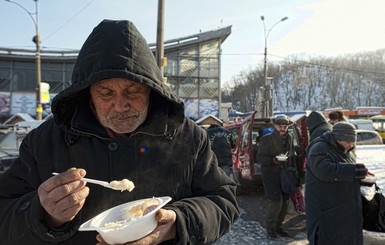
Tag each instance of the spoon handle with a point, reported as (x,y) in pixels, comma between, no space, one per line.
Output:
(93,181)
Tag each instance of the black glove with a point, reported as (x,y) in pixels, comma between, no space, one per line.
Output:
(360,171)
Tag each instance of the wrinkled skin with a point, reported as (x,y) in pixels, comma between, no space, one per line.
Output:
(121,104)
(165,230)
(63,196)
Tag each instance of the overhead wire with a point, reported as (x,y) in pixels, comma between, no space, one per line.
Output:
(68,21)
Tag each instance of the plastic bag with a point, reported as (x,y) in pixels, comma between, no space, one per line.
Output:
(368,191)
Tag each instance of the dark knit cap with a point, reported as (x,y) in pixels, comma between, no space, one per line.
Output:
(282,119)
(344,131)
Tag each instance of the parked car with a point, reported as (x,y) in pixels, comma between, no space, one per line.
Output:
(362,123)
(246,170)
(368,137)
(379,125)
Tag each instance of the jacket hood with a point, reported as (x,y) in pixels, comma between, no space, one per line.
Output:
(315,119)
(114,49)
(328,138)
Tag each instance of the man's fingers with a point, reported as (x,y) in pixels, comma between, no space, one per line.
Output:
(164,216)
(74,198)
(66,190)
(63,178)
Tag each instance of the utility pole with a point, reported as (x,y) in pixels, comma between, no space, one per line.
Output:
(266,111)
(159,37)
(36,39)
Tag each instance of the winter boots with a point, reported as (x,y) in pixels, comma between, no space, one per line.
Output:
(281,232)
(271,233)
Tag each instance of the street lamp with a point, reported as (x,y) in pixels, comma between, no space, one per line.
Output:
(36,39)
(266,111)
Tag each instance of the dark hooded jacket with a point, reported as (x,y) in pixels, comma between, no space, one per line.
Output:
(332,194)
(317,125)
(272,145)
(168,155)
(221,143)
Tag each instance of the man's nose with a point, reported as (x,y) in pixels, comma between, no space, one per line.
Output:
(121,103)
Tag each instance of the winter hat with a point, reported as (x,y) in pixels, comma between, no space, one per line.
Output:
(282,120)
(344,131)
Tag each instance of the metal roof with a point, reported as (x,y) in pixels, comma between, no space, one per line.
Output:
(71,55)
(220,33)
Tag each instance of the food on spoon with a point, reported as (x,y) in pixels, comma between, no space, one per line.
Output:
(135,212)
(123,184)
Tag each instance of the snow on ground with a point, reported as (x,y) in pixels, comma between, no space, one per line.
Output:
(373,156)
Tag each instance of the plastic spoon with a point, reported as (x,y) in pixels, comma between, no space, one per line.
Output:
(98,182)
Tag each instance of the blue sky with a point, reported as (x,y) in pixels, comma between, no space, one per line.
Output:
(314,27)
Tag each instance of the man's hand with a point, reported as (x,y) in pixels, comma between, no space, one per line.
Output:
(166,230)
(63,196)
(275,160)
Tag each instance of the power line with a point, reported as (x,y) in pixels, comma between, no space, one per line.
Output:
(67,22)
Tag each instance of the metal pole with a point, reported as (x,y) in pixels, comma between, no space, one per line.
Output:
(159,37)
(35,39)
(265,104)
(39,108)
(266,111)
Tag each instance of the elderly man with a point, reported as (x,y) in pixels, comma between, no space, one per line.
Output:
(332,197)
(279,142)
(117,120)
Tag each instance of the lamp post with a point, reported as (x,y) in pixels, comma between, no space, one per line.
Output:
(36,39)
(266,111)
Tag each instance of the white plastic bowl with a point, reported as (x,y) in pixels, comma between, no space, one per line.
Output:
(131,230)
(281,158)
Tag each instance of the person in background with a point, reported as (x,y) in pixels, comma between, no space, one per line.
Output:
(117,120)
(271,145)
(317,125)
(332,194)
(336,116)
(222,142)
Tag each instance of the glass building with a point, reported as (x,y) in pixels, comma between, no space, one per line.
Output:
(192,71)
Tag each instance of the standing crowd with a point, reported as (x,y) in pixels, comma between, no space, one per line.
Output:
(333,179)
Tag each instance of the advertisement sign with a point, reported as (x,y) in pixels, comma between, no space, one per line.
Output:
(5,101)
(23,103)
(368,111)
(44,91)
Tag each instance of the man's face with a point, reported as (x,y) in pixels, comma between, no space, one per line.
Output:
(121,104)
(333,121)
(346,144)
(282,129)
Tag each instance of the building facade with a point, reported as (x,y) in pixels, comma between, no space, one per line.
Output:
(192,71)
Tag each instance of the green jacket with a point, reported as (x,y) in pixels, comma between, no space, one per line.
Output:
(168,155)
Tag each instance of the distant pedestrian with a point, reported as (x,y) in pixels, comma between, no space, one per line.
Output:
(332,194)
(317,125)
(336,116)
(222,142)
(279,142)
